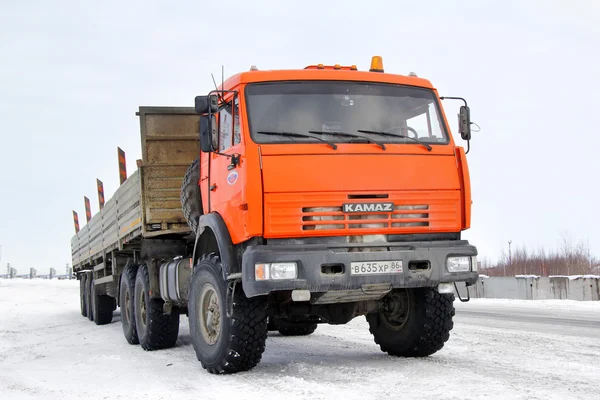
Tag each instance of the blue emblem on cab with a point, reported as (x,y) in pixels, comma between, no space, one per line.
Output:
(232,177)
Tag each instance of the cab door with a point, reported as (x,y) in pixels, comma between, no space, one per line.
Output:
(228,181)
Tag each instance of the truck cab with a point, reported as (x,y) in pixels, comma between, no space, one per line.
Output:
(330,193)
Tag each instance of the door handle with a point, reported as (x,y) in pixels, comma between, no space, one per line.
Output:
(213,187)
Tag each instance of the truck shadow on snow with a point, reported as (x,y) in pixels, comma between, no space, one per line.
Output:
(285,354)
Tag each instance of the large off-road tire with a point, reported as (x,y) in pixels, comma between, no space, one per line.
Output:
(102,306)
(155,329)
(294,328)
(126,300)
(88,295)
(191,202)
(82,298)
(224,345)
(413,323)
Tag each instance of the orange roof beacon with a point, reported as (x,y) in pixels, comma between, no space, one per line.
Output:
(282,200)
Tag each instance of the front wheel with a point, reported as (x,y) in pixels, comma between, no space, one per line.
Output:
(224,344)
(412,323)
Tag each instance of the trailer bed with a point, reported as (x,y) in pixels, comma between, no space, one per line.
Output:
(147,204)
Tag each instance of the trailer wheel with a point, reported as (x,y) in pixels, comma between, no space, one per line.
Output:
(191,201)
(88,295)
(413,323)
(102,306)
(155,329)
(82,299)
(224,344)
(126,296)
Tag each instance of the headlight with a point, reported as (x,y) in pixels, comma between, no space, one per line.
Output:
(473,263)
(275,271)
(459,264)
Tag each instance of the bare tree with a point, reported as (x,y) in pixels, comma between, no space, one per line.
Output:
(566,259)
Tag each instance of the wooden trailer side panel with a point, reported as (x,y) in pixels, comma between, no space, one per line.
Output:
(109,229)
(169,145)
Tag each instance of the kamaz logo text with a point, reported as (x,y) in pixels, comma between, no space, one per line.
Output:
(367,207)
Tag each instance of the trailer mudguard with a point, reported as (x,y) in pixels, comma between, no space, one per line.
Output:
(213,236)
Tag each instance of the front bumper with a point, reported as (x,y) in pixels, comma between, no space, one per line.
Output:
(313,274)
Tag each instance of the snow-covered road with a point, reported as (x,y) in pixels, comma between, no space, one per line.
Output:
(500,349)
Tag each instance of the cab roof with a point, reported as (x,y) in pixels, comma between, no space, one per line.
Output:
(340,75)
(330,73)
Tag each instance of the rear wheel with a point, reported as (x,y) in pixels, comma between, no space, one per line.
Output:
(413,323)
(88,295)
(102,306)
(126,295)
(82,299)
(224,344)
(155,329)
(191,202)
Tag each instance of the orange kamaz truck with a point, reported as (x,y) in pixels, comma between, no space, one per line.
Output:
(282,200)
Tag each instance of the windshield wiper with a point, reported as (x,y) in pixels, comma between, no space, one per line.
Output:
(295,134)
(368,139)
(395,135)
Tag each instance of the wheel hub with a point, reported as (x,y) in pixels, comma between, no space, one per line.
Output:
(395,309)
(127,305)
(143,308)
(210,315)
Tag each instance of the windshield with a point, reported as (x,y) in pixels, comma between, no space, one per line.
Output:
(341,109)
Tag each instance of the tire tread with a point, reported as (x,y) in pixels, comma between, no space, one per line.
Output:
(248,332)
(162,329)
(190,195)
(128,278)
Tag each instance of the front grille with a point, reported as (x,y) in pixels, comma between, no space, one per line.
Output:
(321,214)
(333,218)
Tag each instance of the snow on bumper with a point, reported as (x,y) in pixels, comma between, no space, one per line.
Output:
(326,268)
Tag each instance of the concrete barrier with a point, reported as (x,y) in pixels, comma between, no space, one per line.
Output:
(531,287)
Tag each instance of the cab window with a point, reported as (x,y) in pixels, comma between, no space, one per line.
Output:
(225,127)
(229,125)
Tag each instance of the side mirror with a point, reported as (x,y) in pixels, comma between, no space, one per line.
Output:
(209,138)
(204,104)
(464,123)
(201,104)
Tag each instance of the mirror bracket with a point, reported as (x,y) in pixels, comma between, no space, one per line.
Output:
(464,120)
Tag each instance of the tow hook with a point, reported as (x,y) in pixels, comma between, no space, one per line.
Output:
(458,293)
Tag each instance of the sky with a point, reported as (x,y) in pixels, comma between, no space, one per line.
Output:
(72,75)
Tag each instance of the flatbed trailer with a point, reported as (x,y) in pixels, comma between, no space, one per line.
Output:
(146,205)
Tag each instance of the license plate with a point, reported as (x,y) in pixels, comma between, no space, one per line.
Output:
(376,267)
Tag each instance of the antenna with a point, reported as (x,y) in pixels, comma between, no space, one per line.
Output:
(216,87)
(215,82)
